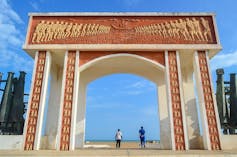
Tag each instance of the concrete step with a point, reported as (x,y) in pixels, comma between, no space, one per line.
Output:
(121,153)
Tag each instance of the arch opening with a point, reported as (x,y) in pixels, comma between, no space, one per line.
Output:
(121,101)
(117,64)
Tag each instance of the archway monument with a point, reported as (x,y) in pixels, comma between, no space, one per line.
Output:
(72,49)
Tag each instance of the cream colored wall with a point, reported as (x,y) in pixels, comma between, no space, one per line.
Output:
(11,142)
(201,103)
(53,107)
(81,117)
(229,142)
(190,102)
(165,138)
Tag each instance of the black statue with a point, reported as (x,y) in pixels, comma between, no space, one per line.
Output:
(226,98)
(12,107)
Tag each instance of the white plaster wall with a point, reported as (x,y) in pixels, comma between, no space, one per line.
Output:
(201,103)
(165,134)
(121,63)
(53,107)
(228,142)
(190,106)
(61,101)
(11,142)
(80,119)
(182,101)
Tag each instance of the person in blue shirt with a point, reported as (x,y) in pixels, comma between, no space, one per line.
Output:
(142,137)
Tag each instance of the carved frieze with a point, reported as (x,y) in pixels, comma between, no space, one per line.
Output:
(187,29)
(122,30)
(49,30)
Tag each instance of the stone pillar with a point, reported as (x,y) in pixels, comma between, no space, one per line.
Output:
(68,103)
(76,100)
(53,106)
(37,100)
(80,125)
(191,107)
(165,134)
(207,102)
(175,101)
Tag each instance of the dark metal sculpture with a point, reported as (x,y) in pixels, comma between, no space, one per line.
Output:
(226,97)
(12,107)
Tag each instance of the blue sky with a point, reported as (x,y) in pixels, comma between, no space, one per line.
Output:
(133,101)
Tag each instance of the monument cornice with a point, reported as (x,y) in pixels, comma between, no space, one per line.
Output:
(123,14)
(122,31)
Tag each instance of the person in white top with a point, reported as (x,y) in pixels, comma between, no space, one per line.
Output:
(118,138)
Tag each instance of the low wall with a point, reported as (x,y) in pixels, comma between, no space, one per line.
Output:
(229,142)
(11,142)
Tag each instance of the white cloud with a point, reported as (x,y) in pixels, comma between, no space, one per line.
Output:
(34,5)
(108,105)
(224,60)
(141,84)
(15,62)
(150,110)
(11,40)
(7,13)
(139,87)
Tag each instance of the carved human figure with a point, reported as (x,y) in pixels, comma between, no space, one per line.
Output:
(55,29)
(183,29)
(174,28)
(40,32)
(164,31)
(68,29)
(198,31)
(159,29)
(48,32)
(168,29)
(61,27)
(206,29)
(191,28)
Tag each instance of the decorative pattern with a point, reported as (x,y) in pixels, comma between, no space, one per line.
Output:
(67,102)
(209,104)
(47,31)
(187,29)
(35,101)
(176,102)
(122,30)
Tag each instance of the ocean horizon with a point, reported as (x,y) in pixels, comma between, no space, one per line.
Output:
(91,140)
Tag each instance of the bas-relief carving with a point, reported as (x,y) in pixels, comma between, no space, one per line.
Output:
(181,29)
(187,29)
(50,30)
(35,100)
(67,103)
(209,104)
(176,103)
(123,24)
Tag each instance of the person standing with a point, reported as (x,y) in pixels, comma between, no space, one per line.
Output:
(118,138)
(142,137)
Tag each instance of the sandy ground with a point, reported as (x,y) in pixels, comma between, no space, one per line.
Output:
(124,144)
